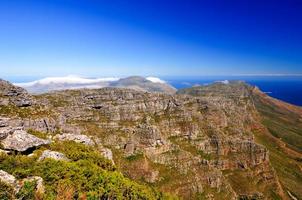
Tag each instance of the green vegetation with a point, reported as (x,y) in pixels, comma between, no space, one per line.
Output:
(6,192)
(33,111)
(135,157)
(87,175)
(283,139)
(27,191)
(37,133)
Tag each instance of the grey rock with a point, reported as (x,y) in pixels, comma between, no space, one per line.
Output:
(107,153)
(21,141)
(79,138)
(3,121)
(52,154)
(9,180)
(5,131)
(15,95)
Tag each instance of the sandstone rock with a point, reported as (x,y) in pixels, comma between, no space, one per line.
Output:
(129,149)
(21,141)
(4,121)
(107,153)
(15,95)
(84,139)
(5,131)
(52,154)
(152,177)
(9,179)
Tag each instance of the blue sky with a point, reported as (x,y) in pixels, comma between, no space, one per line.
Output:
(167,37)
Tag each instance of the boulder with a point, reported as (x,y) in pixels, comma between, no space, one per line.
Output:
(79,138)
(52,154)
(107,153)
(9,180)
(21,141)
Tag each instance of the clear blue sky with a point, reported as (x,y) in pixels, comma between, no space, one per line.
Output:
(156,37)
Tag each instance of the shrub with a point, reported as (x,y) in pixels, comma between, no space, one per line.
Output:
(6,191)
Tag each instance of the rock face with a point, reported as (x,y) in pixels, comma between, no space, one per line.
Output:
(21,141)
(79,138)
(205,134)
(53,155)
(14,95)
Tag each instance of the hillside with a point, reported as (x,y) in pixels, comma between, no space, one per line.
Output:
(212,142)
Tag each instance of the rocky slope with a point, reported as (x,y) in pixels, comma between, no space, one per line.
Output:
(201,143)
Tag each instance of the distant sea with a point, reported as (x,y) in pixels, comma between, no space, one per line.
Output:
(285,88)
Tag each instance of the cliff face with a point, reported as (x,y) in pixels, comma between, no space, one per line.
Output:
(198,143)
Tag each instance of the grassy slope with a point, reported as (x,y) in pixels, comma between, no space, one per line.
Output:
(283,140)
(87,175)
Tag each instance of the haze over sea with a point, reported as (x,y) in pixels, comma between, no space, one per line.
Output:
(285,88)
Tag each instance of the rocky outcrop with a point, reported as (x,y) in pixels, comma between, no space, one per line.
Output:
(53,155)
(14,95)
(107,153)
(20,140)
(84,139)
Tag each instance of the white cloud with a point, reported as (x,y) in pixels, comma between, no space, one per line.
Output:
(224,82)
(155,80)
(71,79)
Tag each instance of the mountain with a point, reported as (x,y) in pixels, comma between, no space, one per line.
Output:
(227,140)
(149,84)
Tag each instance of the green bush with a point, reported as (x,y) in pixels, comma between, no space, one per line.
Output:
(27,191)
(88,174)
(6,192)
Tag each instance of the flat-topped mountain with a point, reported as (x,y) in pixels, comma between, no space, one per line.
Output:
(149,84)
(221,141)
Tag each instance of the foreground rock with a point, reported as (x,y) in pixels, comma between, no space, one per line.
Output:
(84,139)
(52,154)
(22,141)
(9,180)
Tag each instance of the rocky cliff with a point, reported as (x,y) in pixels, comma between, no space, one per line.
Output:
(201,143)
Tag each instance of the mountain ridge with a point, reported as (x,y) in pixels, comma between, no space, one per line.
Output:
(219,137)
